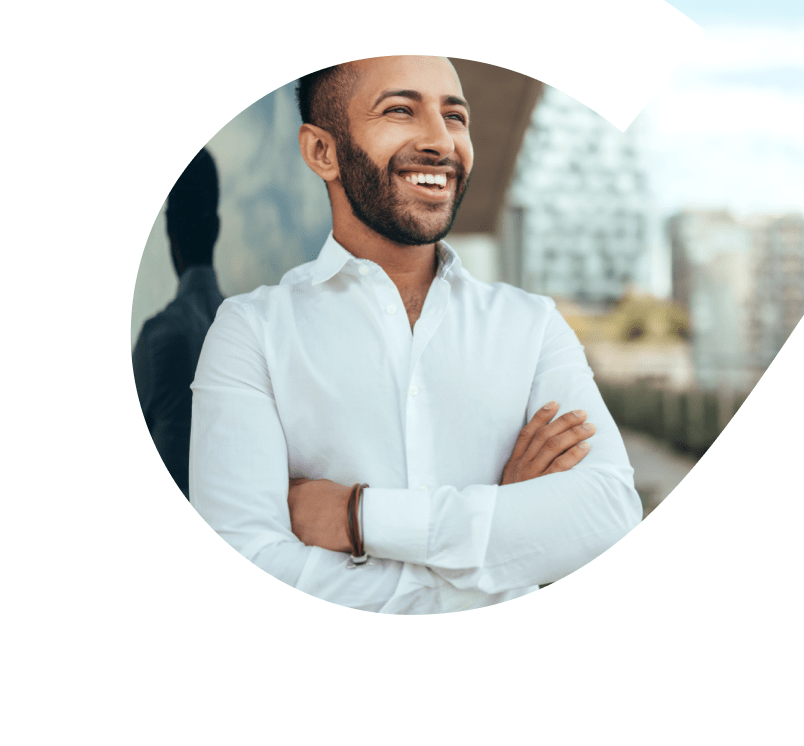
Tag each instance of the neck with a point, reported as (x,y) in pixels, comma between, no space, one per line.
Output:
(411,268)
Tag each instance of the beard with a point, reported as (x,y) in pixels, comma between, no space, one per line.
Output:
(375,200)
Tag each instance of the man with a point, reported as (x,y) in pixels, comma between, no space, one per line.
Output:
(384,362)
(169,344)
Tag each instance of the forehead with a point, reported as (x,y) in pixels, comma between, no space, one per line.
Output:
(430,76)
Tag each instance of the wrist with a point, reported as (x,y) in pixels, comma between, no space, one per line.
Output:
(354,524)
(343,511)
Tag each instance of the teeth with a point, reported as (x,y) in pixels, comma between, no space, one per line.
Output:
(437,179)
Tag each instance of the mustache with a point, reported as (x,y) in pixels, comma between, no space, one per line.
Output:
(403,164)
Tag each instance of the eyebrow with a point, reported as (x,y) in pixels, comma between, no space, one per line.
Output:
(416,96)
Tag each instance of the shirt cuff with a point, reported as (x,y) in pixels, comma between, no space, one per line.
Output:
(396,524)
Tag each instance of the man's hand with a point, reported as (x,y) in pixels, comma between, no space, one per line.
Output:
(318,513)
(318,506)
(545,447)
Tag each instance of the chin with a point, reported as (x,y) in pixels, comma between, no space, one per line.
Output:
(431,231)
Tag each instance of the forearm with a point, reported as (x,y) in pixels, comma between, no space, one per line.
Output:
(239,475)
(239,485)
(500,538)
(532,532)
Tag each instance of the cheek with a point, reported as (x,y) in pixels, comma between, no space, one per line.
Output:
(466,153)
(381,147)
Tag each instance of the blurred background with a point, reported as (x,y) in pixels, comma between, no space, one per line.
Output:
(675,249)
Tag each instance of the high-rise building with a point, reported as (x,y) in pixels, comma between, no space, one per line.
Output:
(712,276)
(579,215)
(743,282)
(778,300)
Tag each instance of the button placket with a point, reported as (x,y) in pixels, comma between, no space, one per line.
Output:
(421,470)
(388,307)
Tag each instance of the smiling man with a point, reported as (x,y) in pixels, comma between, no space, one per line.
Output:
(466,407)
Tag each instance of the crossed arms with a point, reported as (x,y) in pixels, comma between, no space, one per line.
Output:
(531,529)
(318,507)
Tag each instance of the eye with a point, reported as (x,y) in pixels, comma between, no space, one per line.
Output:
(398,110)
(456,117)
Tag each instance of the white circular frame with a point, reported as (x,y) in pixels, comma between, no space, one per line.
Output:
(161,571)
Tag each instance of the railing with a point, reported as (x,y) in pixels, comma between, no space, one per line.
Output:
(690,420)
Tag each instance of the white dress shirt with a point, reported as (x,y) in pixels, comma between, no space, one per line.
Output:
(321,377)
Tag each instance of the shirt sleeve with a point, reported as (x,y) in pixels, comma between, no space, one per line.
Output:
(239,472)
(162,373)
(496,539)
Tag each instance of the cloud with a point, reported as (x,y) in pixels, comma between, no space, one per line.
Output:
(726,131)
(731,109)
(749,47)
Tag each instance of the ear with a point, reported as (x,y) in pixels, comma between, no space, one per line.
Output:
(318,150)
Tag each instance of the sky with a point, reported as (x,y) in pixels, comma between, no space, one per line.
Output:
(705,12)
(727,130)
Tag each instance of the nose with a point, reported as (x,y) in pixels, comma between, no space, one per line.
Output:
(433,137)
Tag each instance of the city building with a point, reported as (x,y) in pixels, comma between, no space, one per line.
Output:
(743,283)
(578,222)
(778,300)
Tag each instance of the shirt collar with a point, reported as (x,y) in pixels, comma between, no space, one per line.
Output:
(448,260)
(333,258)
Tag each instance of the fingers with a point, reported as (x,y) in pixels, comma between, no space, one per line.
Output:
(568,459)
(560,443)
(541,418)
(551,430)
(545,447)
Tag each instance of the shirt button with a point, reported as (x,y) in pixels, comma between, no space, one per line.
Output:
(363,270)
(422,487)
(413,391)
(391,309)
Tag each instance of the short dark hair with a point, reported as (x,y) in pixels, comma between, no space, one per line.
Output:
(192,209)
(323,98)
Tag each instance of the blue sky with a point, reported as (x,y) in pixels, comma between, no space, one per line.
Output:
(704,12)
(727,129)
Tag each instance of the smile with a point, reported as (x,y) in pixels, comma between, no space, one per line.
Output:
(437,181)
(430,187)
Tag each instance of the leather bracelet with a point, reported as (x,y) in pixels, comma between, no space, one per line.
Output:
(350,517)
(354,521)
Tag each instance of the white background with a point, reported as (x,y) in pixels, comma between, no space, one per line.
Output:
(186,595)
